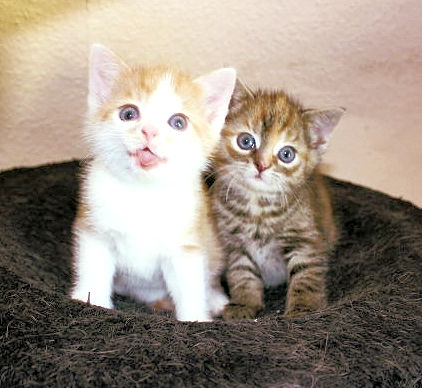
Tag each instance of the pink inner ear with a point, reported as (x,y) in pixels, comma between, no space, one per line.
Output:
(218,87)
(217,98)
(104,70)
(322,128)
(319,141)
(322,124)
(213,102)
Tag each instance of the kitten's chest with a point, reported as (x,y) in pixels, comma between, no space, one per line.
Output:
(255,224)
(153,217)
(270,261)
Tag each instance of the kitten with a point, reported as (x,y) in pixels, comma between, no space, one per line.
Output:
(273,211)
(143,226)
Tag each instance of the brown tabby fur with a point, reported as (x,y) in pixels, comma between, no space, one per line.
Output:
(282,229)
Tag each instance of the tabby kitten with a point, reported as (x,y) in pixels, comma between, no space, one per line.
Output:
(143,226)
(272,209)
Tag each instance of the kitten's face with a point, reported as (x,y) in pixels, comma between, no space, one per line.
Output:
(153,121)
(270,144)
(149,127)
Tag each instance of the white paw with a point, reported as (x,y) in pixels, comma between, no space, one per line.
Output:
(88,297)
(218,300)
(193,315)
(195,318)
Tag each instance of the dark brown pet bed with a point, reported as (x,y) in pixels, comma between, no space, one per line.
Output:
(369,336)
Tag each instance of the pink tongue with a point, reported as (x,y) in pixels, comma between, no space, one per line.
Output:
(146,158)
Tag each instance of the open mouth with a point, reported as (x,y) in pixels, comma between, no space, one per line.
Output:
(145,158)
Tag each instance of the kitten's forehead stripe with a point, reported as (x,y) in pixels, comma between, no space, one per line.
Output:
(272,113)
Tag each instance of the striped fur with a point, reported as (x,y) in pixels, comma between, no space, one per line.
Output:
(275,225)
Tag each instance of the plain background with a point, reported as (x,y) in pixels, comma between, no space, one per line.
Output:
(365,55)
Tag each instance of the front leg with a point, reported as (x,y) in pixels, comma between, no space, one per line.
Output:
(245,285)
(306,285)
(186,279)
(94,270)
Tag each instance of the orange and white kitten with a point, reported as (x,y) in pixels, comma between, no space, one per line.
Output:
(143,226)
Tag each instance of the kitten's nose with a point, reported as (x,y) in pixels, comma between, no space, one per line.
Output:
(261,165)
(149,132)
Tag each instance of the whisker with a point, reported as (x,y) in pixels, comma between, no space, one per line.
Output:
(210,174)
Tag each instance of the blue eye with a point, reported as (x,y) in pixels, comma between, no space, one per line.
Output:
(246,141)
(178,121)
(128,113)
(287,154)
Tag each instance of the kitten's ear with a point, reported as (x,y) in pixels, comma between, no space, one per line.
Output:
(104,69)
(321,123)
(241,90)
(218,88)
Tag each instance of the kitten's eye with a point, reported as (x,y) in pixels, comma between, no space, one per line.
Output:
(178,121)
(128,113)
(287,154)
(246,141)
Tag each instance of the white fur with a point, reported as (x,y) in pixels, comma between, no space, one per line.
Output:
(273,270)
(131,241)
(140,230)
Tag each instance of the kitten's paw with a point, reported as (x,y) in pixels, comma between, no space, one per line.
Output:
(165,304)
(239,311)
(87,297)
(297,308)
(201,318)
(218,301)
(300,311)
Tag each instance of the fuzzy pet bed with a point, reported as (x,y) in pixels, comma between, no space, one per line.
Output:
(369,336)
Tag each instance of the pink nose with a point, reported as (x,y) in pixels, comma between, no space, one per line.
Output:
(149,132)
(261,166)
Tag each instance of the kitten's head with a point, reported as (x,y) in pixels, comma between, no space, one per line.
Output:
(270,143)
(155,121)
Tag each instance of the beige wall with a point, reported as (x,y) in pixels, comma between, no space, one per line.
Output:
(365,55)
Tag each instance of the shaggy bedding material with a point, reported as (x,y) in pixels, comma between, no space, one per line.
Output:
(370,335)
